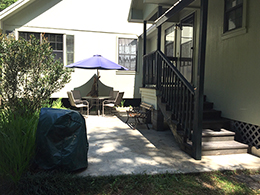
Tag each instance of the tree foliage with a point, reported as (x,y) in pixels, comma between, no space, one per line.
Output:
(5,3)
(30,73)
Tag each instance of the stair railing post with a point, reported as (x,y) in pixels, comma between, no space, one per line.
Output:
(199,92)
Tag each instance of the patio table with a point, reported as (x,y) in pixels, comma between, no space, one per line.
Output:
(97,101)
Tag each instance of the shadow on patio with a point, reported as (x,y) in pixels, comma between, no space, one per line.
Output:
(116,149)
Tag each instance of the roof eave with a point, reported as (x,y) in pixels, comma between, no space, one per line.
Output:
(15,7)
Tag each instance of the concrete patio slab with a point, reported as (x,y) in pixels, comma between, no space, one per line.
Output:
(116,149)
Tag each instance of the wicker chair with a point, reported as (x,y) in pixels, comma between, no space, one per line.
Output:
(112,103)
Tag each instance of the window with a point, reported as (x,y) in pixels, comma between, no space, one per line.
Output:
(26,35)
(57,44)
(127,53)
(233,18)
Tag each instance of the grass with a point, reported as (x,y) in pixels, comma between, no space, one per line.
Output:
(65,183)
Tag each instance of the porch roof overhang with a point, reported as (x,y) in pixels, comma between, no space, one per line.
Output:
(147,10)
(172,11)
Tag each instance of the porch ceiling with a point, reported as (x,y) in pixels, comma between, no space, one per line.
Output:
(147,10)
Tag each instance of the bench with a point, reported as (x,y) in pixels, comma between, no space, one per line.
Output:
(141,112)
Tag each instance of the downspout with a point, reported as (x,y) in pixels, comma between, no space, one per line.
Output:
(159,29)
(144,49)
(199,93)
(159,34)
(144,38)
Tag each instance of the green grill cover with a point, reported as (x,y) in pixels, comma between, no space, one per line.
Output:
(61,140)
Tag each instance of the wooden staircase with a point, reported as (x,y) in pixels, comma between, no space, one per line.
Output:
(220,143)
(217,139)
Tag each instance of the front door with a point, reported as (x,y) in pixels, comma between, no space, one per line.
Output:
(186,47)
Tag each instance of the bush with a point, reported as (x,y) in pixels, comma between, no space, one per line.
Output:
(30,73)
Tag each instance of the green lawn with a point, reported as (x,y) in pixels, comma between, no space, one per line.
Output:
(63,183)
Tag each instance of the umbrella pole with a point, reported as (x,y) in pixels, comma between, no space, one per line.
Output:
(97,92)
(97,80)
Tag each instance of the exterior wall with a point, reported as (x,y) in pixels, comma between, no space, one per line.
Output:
(232,65)
(139,72)
(150,96)
(151,42)
(96,27)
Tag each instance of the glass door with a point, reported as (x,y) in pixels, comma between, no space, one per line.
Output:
(186,48)
(170,44)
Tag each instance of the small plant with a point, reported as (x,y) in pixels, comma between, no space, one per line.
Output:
(122,103)
(57,103)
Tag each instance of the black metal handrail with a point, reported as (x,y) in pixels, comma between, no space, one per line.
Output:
(174,89)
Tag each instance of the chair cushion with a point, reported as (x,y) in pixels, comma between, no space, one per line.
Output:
(78,101)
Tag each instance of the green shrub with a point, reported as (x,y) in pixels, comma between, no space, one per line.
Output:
(30,73)
(17,143)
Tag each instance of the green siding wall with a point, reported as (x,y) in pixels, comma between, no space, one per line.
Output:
(232,79)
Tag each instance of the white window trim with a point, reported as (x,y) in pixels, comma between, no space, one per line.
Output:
(239,31)
(126,72)
(64,52)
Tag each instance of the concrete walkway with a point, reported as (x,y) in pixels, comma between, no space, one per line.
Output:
(116,149)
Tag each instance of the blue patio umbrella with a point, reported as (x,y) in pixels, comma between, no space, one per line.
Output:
(97,62)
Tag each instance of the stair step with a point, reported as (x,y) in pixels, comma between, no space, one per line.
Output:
(216,124)
(210,114)
(223,135)
(223,148)
(208,105)
(207,114)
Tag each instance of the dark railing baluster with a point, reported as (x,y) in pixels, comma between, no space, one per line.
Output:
(174,89)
